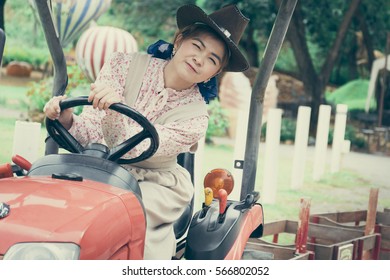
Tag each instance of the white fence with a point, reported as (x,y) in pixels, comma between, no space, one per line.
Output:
(268,188)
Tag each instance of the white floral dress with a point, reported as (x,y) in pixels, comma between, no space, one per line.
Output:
(166,187)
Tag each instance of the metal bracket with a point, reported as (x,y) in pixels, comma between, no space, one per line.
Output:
(239,164)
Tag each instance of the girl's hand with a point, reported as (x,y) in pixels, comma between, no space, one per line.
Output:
(52,111)
(102,96)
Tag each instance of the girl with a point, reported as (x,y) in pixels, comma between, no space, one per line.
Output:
(172,96)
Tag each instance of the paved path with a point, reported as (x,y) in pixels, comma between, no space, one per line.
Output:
(372,167)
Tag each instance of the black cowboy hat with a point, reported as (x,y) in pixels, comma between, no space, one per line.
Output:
(228,22)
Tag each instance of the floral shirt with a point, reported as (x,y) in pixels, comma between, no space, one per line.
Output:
(94,126)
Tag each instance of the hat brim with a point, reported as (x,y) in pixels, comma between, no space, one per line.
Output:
(190,14)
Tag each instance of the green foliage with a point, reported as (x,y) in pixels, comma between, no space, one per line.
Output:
(147,21)
(286,61)
(25,40)
(12,97)
(218,122)
(22,28)
(353,94)
(150,20)
(352,134)
(34,56)
(287,130)
(40,92)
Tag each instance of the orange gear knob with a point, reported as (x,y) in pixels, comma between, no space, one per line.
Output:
(222,197)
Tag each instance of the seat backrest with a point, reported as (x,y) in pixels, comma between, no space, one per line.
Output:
(180,226)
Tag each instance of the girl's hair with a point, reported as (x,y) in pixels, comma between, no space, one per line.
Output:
(194,30)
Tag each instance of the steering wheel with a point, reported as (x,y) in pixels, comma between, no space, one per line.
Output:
(63,138)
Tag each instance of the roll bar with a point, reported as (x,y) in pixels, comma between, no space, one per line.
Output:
(60,80)
(267,64)
(2,43)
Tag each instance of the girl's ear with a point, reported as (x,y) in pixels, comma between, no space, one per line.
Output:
(178,41)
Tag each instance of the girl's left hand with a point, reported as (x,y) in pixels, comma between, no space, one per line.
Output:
(102,96)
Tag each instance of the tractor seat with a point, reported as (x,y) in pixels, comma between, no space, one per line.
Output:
(186,160)
(88,167)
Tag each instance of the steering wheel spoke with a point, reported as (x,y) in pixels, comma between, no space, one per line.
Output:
(68,142)
(129,144)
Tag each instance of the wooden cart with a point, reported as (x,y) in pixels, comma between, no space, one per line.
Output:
(356,220)
(325,242)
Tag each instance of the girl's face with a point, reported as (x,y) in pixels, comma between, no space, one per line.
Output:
(199,58)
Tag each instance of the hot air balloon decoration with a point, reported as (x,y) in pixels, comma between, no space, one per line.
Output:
(96,45)
(72,17)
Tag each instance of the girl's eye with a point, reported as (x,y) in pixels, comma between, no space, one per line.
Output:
(196,45)
(213,61)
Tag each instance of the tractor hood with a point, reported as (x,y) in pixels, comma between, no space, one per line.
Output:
(51,210)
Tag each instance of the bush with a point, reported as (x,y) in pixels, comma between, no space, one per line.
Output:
(33,56)
(287,130)
(352,94)
(218,123)
(39,93)
(351,134)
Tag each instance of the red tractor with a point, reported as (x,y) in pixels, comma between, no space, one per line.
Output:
(84,205)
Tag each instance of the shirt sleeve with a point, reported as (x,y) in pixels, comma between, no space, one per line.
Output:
(174,137)
(87,128)
(179,137)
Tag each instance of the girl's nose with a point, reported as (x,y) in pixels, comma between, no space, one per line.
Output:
(198,60)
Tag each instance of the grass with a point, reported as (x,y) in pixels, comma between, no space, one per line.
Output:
(12,97)
(7,127)
(6,139)
(342,191)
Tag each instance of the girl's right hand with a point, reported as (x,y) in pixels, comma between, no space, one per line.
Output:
(52,111)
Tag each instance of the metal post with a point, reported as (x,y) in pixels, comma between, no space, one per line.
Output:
(300,147)
(338,137)
(383,83)
(274,44)
(60,80)
(271,156)
(321,142)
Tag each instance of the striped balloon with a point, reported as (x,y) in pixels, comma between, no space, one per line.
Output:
(72,17)
(96,45)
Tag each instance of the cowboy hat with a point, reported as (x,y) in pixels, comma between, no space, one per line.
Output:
(228,22)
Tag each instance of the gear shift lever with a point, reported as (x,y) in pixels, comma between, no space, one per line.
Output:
(208,193)
(222,197)
(208,198)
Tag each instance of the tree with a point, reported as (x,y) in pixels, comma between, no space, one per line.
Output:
(2,4)
(262,14)
(314,82)
(147,21)
(322,34)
